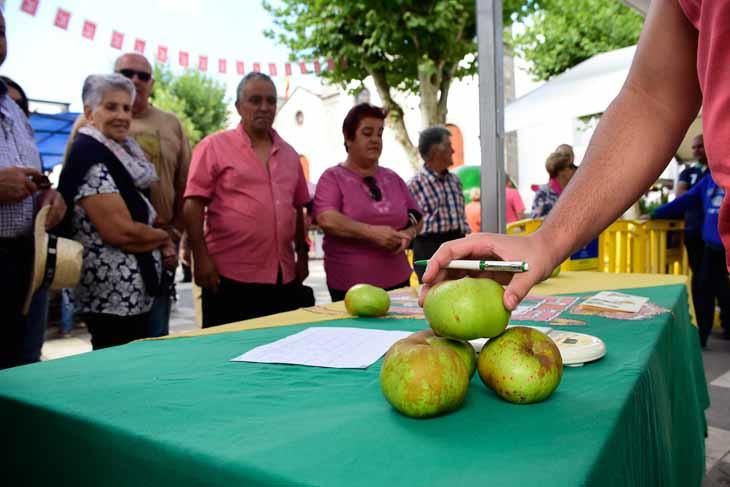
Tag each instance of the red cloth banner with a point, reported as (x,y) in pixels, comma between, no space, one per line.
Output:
(287,69)
(222,66)
(183,58)
(240,68)
(89,30)
(317,67)
(117,39)
(139,46)
(257,67)
(203,63)
(330,64)
(29,7)
(63,17)
(272,69)
(162,54)
(303,67)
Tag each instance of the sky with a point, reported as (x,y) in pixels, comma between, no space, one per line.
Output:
(51,63)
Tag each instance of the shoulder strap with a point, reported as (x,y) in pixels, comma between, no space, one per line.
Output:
(84,153)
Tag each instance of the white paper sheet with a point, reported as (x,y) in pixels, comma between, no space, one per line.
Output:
(335,347)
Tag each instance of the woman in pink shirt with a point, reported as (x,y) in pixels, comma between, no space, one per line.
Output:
(514,207)
(366,211)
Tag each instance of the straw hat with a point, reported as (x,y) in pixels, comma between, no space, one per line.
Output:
(57,261)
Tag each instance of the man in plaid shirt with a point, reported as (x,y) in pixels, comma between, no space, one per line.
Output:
(438,193)
(22,190)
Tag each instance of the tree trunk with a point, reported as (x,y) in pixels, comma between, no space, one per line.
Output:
(395,119)
(430,83)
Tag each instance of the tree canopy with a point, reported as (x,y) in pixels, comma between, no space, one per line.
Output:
(563,33)
(422,46)
(198,101)
(416,46)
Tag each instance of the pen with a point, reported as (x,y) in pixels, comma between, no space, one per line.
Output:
(483,265)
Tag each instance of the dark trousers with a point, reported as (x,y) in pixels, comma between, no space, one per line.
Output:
(112,330)
(424,246)
(695,246)
(339,295)
(236,301)
(714,284)
(16,257)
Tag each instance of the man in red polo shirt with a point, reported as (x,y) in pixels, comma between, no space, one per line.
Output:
(243,214)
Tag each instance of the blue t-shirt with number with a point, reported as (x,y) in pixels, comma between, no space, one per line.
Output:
(693,217)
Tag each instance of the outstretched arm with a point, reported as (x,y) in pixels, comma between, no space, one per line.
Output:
(637,136)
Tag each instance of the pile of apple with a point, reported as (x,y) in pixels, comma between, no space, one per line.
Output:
(428,373)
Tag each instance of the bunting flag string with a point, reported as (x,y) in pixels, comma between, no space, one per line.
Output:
(89,30)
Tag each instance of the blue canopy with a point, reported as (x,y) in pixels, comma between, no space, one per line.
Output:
(51,135)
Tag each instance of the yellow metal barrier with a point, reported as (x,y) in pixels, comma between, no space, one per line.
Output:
(523,227)
(413,280)
(621,248)
(665,247)
(627,246)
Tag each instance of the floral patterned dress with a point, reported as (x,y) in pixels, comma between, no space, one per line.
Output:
(111,282)
(545,199)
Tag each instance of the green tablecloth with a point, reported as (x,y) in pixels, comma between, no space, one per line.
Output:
(178,412)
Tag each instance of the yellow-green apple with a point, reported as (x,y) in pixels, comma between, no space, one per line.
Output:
(522,365)
(366,300)
(464,349)
(466,308)
(421,379)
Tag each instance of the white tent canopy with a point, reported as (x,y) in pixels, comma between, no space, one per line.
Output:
(585,89)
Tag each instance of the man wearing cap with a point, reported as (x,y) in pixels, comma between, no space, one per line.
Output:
(161,136)
(246,188)
(23,189)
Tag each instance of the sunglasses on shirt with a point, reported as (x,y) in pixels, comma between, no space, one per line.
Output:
(130,73)
(372,185)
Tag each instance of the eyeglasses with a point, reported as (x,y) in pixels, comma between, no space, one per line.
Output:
(372,185)
(130,73)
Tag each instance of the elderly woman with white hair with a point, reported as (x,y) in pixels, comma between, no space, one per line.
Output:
(106,182)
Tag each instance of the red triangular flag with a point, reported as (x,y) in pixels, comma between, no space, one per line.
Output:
(162,54)
(183,58)
(303,67)
(222,66)
(89,30)
(29,6)
(139,46)
(272,69)
(240,68)
(117,39)
(203,63)
(62,18)
(257,67)
(317,67)
(287,69)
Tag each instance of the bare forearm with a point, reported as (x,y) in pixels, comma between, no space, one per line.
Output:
(335,223)
(137,237)
(193,213)
(611,179)
(300,235)
(637,136)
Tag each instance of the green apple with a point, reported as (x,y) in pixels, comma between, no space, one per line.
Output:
(367,300)
(522,365)
(464,349)
(422,379)
(466,309)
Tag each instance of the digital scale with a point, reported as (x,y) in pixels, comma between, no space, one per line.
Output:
(576,349)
